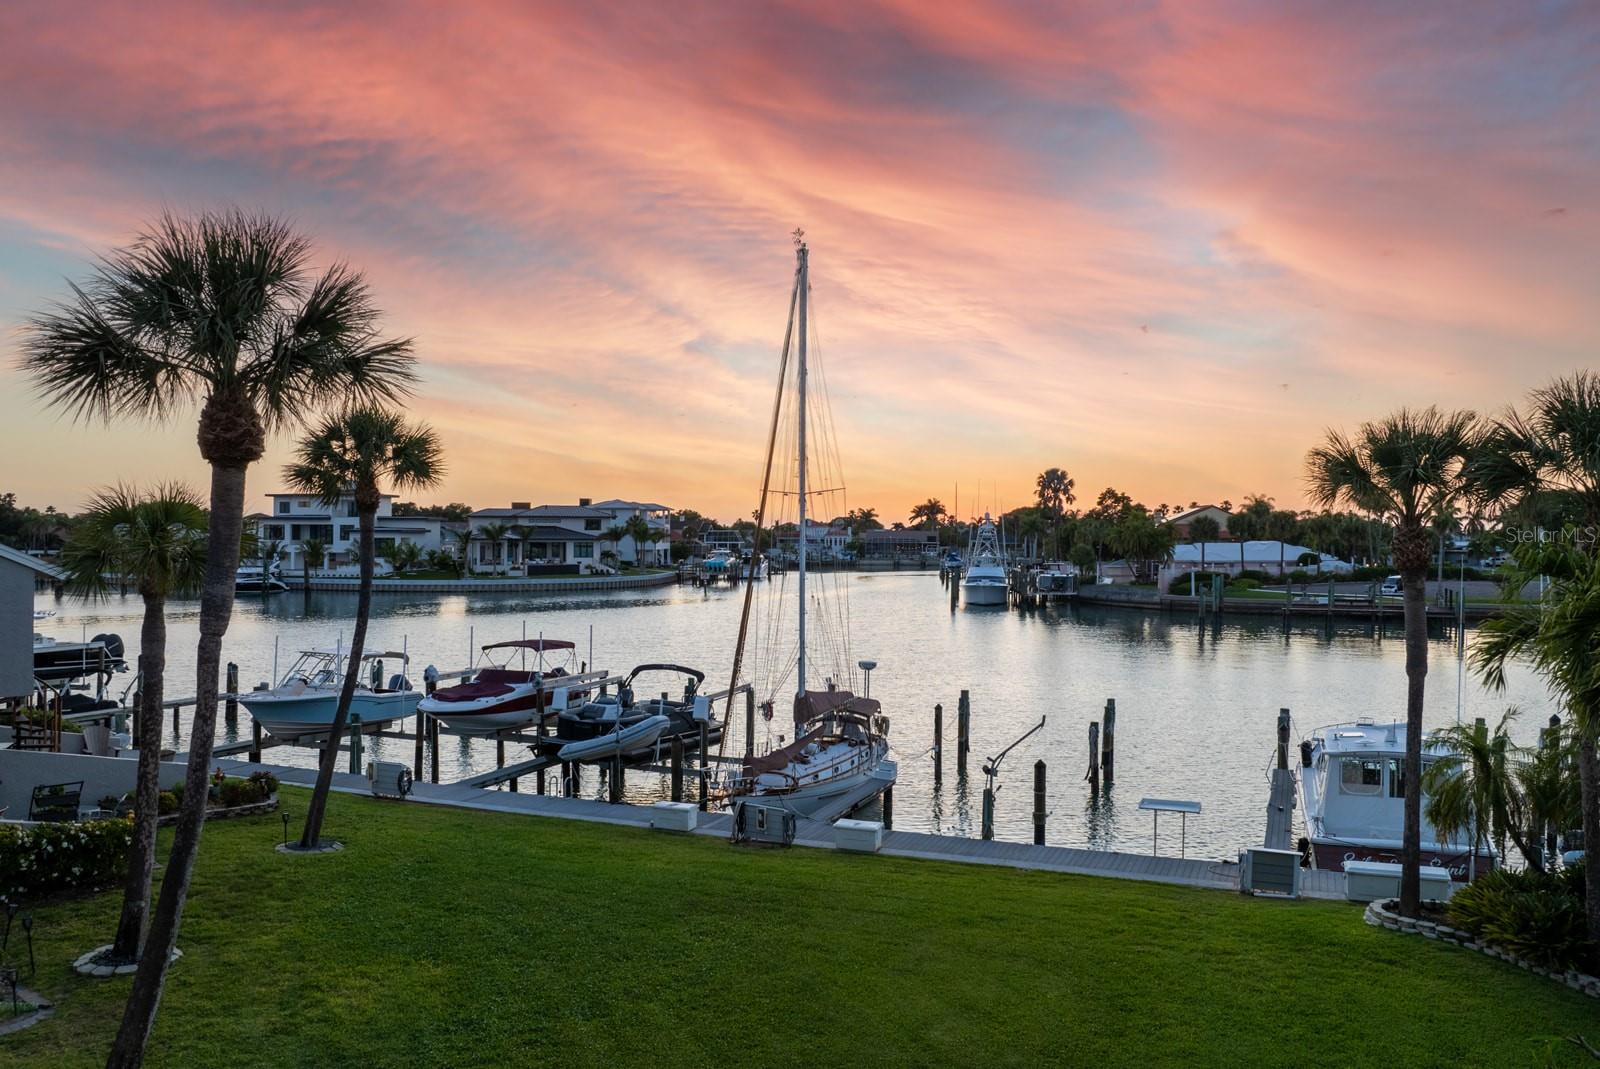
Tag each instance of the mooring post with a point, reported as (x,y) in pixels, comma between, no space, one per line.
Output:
(433,739)
(255,741)
(938,744)
(988,812)
(750,722)
(1038,803)
(677,768)
(963,732)
(539,785)
(703,790)
(705,742)
(888,806)
(230,711)
(1108,742)
(416,758)
(616,779)
(1094,758)
(955,592)
(176,709)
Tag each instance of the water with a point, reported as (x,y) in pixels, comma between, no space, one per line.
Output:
(1196,706)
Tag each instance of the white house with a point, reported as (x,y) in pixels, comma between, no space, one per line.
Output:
(723,540)
(565,534)
(1262,556)
(295,518)
(824,541)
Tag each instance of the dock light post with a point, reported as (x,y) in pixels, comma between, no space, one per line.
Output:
(284,813)
(866,685)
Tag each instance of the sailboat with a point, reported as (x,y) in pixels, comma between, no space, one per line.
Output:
(984,582)
(840,738)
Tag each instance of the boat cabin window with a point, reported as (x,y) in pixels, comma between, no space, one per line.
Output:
(1397,775)
(1360,775)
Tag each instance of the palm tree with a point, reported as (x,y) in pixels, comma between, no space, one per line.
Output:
(313,553)
(160,539)
(495,535)
(928,514)
(1474,788)
(405,556)
(639,528)
(358,449)
(1402,468)
(222,310)
(1556,636)
(463,540)
(614,534)
(1203,529)
(1054,487)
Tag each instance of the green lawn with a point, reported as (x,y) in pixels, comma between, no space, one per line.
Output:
(450,938)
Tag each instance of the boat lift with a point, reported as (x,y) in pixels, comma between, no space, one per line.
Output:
(991,769)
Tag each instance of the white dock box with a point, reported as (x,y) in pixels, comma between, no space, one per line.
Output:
(1365,881)
(865,836)
(674,816)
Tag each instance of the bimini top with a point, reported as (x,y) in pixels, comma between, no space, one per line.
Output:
(538,644)
(815,704)
(366,655)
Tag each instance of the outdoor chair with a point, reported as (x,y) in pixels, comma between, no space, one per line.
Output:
(55,802)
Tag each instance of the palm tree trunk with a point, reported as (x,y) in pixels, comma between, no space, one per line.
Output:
(1415,583)
(1589,782)
(311,835)
(216,607)
(142,854)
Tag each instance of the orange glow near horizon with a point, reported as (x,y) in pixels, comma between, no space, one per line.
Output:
(1160,247)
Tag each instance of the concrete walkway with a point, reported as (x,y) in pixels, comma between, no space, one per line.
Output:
(1188,872)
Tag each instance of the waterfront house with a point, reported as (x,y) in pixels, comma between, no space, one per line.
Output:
(565,535)
(20,574)
(1180,521)
(899,545)
(824,541)
(294,518)
(723,540)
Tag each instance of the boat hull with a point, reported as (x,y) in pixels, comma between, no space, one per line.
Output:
(631,739)
(290,717)
(1332,856)
(983,593)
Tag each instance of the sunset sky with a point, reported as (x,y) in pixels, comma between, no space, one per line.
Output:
(1162,246)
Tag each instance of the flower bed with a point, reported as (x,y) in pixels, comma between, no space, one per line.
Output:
(230,796)
(1386,914)
(41,860)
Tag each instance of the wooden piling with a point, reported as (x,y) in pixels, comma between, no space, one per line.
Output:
(938,744)
(888,807)
(1108,742)
(1283,738)
(615,779)
(539,730)
(1094,758)
(705,742)
(1038,803)
(677,768)
(750,722)
(963,732)
(416,757)
(255,741)
(355,745)
(433,739)
(704,785)
(230,711)
(988,813)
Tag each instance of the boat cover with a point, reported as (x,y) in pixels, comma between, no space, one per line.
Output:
(471,692)
(814,704)
(782,757)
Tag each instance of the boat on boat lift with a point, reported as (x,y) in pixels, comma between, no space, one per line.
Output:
(254,579)
(306,698)
(984,581)
(605,714)
(1352,786)
(502,695)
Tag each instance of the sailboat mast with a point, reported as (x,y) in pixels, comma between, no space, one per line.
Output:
(800,389)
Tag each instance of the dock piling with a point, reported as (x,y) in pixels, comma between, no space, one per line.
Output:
(539,782)
(1283,738)
(1038,802)
(416,757)
(938,744)
(230,711)
(1094,759)
(433,739)
(677,768)
(963,732)
(888,807)
(749,722)
(1108,742)
(255,741)
(615,779)
(988,813)
(355,745)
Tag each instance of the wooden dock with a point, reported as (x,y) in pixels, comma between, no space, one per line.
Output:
(1189,872)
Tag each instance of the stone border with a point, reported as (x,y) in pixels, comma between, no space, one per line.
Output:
(331,846)
(87,965)
(1386,914)
(42,1010)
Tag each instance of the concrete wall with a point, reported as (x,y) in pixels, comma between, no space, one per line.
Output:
(16,630)
(23,770)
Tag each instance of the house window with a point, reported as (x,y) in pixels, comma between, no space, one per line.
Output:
(1360,775)
(583,550)
(349,508)
(383,547)
(283,508)
(346,533)
(273,531)
(591,525)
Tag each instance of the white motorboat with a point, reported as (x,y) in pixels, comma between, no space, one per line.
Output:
(502,696)
(841,740)
(1352,785)
(622,740)
(254,579)
(306,698)
(984,581)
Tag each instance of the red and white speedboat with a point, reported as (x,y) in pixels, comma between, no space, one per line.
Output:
(503,695)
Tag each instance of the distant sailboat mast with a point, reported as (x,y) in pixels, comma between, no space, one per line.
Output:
(800,386)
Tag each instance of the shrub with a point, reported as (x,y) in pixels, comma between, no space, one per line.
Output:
(1537,916)
(1202,582)
(47,859)
(257,788)
(1244,584)
(166,803)
(1255,575)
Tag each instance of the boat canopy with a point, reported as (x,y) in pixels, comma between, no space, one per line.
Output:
(781,758)
(815,704)
(697,675)
(537,644)
(366,655)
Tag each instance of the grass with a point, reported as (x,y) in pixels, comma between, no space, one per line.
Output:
(447,937)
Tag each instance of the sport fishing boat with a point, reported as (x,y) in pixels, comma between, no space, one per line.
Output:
(606,713)
(841,740)
(254,579)
(984,581)
(1352,786)
(502,696)
(306,698)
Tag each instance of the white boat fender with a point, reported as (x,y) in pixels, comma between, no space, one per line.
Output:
(702,707)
